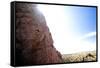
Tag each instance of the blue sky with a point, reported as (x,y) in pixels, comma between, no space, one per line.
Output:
(73,28)
(84,19)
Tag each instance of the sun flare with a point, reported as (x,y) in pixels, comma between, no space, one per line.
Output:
(59,24)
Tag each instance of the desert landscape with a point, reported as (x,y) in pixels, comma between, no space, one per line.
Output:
(34,41)
(80,57)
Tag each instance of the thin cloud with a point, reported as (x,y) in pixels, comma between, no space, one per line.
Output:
(89,35)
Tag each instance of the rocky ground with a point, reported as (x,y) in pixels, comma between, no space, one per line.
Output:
(80,57)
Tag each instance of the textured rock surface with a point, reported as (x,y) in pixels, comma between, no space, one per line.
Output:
(34,43)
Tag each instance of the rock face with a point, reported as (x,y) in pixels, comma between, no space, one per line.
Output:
(34,43)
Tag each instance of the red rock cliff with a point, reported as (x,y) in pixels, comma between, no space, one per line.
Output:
(34,43)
